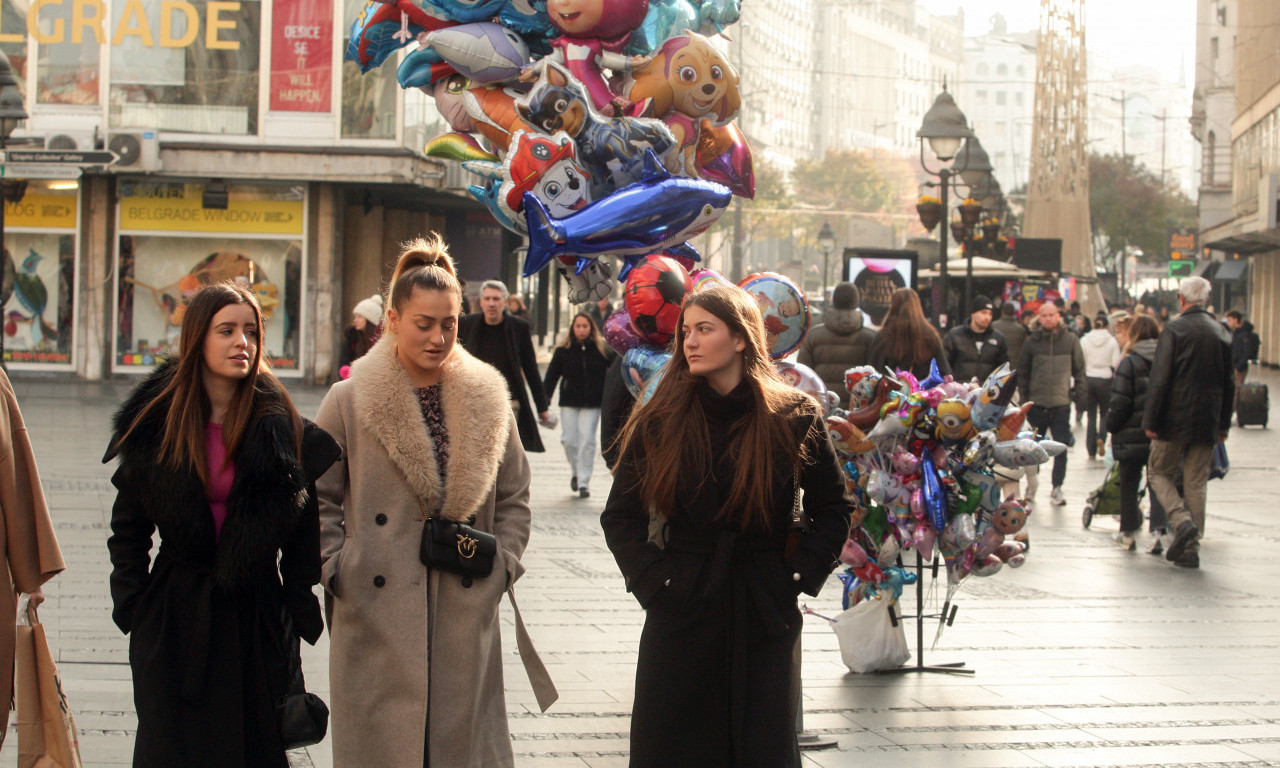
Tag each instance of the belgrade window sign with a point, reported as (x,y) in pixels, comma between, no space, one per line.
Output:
(177,25)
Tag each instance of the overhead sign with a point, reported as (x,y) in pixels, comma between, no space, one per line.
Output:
(42,210)
(47,171)
(1182,268)
(59,156)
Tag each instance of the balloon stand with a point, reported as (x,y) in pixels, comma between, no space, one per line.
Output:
(947,616)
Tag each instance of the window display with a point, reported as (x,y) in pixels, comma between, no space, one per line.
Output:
(38,291)
(171,246)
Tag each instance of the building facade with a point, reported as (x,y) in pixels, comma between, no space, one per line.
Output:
(998,96)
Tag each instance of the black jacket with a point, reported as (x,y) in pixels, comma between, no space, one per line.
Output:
(205,618)
(1192,383)
(968,361)
(615,408)
(1128,403)
(715,668)
(523,359)
(582,367)
(1245,346)
(1047,364)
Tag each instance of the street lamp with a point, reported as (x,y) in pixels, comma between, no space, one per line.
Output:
(977,176)
(11,113)
(945,129)
(826,244)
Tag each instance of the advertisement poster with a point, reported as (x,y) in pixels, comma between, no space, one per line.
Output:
(38,300)
(877,274)
(301,56)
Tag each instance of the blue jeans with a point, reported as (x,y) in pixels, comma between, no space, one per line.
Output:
(1055,420)
(578,435)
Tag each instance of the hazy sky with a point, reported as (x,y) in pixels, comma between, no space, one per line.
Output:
(1158,33)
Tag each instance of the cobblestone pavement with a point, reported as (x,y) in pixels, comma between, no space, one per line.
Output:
(1086,656)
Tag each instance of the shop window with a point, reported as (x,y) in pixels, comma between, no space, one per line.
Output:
(369,99)
(68,39)
(171,246)
(39,268)
(189,66)
(13,38)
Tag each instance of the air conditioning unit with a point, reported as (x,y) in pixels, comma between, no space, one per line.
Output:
(137,150)
(76,141)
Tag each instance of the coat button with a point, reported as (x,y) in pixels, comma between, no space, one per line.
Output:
(378,581)
(380,519)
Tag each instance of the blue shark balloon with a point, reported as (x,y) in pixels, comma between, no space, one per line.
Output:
(484,52)
(934,378)
(657,213)
(935,499)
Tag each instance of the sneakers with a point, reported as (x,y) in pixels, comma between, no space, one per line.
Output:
(1188,560)
(1125,541)
(584,493)
(1157,542)
(1186,533)
(573,483)
(1102,448)
(1056,498)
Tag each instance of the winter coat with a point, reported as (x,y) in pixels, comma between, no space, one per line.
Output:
(523,360)
(1101,354)
(582,366)
(880,359)
(970,361)
(205,618)
(1189,399)
(615,408)
(1129,401)
(715,669)
(840,343)
(27,541)
(1014,333)
(414,650)
(1046,366)
(1245,346)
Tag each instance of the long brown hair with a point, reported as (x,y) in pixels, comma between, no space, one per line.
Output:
(423,263)
(671,427)
(596,337)
(186,404)
(1143,327)
(906,338)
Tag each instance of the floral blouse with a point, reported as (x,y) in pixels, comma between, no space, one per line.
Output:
(433,415)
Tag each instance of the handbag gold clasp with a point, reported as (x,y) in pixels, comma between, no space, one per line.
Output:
(466,546)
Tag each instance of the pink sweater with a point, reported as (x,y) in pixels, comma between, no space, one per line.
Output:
(220,477)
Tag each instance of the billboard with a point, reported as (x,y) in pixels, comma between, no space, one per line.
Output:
(879,272)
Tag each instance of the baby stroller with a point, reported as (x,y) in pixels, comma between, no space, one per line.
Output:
(1105,499)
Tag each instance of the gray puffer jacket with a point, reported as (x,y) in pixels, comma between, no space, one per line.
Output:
(1047,364)
(840,343)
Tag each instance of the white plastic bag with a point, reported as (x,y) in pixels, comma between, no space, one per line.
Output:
(868,639)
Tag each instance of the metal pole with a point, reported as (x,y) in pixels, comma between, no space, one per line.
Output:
(735,263)
(942,309)
(826,254)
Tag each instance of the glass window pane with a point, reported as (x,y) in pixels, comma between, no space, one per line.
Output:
(13,36)
(67,53)
(38,292)
(188,66)
(368,100)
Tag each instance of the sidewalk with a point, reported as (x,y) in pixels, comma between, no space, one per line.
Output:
(1087,655)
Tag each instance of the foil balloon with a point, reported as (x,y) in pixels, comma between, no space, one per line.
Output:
(784,308)
(1009,517)
(1012,421)
(934,378)
(620,334)
(594,282)
(848,439)
(462,147)
(725,157)
(925,538)
(1023,452)
(860,383)
(988,541)
(485,52)
(987,566)
(654,294)
(989,401)
(803,378)
(641,365)
(954,421)
(703,278)
(868,416)
(935,501)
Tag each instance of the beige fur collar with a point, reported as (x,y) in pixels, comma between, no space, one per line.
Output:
(477,415)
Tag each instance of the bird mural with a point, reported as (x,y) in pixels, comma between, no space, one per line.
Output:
(29,289)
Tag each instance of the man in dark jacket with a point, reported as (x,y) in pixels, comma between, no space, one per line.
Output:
(1245,346)
(1050,359)
(1014,332)
(975,349)
(504,341)
(1189,403)
(841,342)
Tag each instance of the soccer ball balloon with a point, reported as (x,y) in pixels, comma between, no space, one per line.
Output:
(655,290)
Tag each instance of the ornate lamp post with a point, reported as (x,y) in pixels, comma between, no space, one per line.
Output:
(976,175)
(826,244)
(945,128)
(11,113)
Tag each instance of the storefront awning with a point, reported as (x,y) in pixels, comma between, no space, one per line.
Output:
(1248,243)
(1231,271)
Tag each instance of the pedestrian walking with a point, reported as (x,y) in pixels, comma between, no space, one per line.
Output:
(30,554)
(581,360)
(1014,332)
(1051,360)
(975,349)
(601,310)
(358,337)
(841,342)
(1101,356)
(906,341)
(216,460)
(505,342)
(516,307)
(715,455)
(415,660)
(1129,443)
(1188,411)
(1245,347)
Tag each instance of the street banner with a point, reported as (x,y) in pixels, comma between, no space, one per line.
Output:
(301,56)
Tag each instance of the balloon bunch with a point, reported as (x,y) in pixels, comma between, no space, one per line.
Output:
(918,458)
(597,127)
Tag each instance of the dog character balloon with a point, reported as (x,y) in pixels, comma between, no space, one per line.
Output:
(595,32)
(545,166)
(989,402)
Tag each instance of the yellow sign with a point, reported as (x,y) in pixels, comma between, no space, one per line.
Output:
(88,19)
(184,212)
(42,211)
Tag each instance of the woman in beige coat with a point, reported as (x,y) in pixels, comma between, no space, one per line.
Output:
(415,658)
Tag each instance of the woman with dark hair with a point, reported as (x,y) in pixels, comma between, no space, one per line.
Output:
(581,360)
(1129,443)
(515,306)
(215,458)
(906,341)
(715,456)
(415,661)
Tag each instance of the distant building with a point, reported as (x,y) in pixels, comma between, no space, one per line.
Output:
(998,96)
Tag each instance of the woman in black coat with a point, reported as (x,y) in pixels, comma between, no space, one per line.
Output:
(214,457)
(581,360)
(906,341)
(1129,443)
(715,453)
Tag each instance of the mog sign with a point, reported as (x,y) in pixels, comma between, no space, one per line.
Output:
(177,25)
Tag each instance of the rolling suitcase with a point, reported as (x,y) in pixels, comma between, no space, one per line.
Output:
(1253,404)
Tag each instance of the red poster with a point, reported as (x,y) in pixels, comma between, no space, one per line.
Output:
(301,55)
